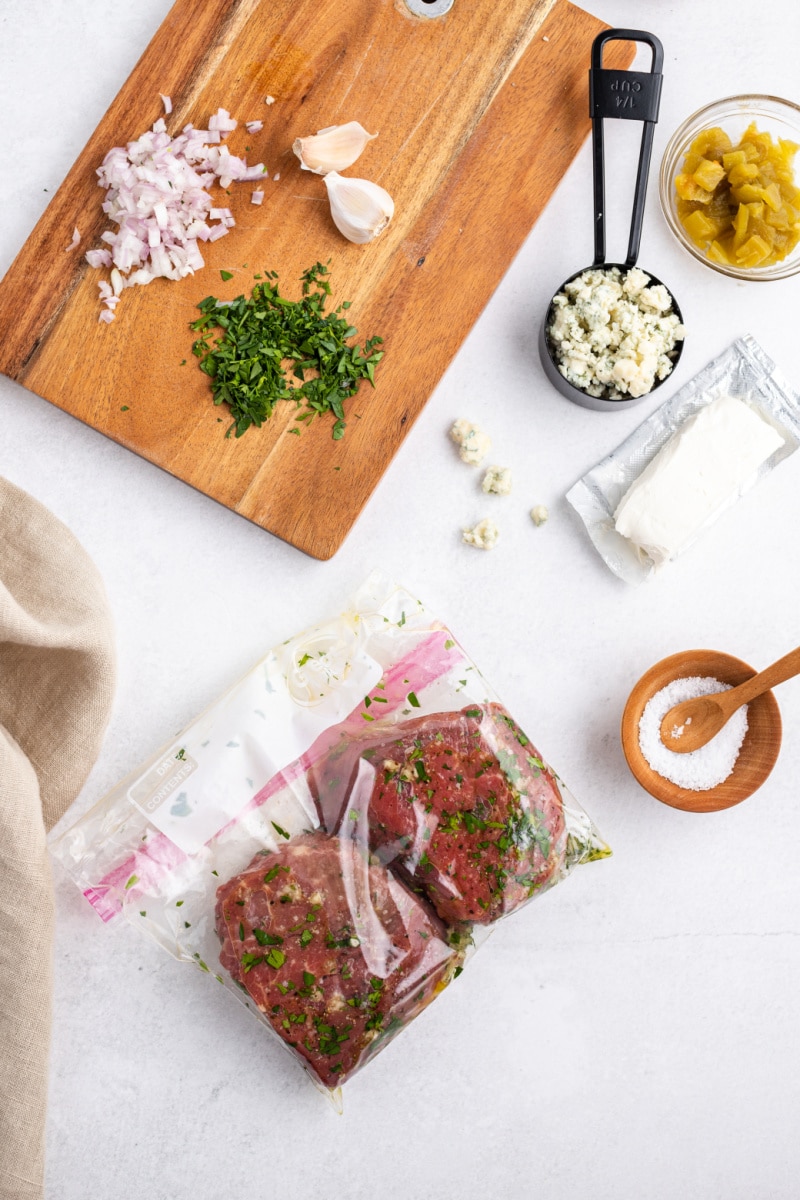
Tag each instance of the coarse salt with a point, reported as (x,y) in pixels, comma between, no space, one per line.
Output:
(701,769)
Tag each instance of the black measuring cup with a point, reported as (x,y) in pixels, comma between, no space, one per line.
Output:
(632,96)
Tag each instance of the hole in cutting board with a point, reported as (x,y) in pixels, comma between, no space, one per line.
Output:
(429,8)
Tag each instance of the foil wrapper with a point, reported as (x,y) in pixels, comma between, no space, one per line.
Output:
(745,371)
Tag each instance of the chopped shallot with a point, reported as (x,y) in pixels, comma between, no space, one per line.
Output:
(76,237)
(167,101)
(156,195)
(257,198)
(254,126)
(223,121)
(269,99)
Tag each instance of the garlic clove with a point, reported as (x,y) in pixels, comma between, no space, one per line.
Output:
(332,149)
(360,209)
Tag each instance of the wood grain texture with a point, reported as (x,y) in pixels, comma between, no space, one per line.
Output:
(759,750)
(479,113)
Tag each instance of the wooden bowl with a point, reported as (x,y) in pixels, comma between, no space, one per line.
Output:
(757,756)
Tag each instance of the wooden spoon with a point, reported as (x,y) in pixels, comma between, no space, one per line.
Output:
(693,723)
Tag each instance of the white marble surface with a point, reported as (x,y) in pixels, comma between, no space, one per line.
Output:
(632,1034)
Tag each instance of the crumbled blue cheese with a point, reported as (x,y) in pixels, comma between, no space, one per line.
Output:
(484,535)
(472,442)
(497,481)
(613,335)
(539,514)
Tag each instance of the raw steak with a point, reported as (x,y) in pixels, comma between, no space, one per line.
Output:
(335,952)
(460,800)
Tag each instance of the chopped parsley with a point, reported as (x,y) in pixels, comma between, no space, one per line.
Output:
(270,875)
(267,939)
(257,336)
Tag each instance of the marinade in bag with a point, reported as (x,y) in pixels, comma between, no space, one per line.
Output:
(333,837)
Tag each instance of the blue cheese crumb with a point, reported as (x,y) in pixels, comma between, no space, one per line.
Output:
(497,481)
(473,444)
(612,334)
(484,535)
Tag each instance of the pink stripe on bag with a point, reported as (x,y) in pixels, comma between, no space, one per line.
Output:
(428,662)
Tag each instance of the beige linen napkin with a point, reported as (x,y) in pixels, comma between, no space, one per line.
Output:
(56,686)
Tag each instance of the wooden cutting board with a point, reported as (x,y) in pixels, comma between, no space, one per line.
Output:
(479,112)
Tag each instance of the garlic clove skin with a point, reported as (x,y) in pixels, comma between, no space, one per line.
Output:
(332,149)
(360,209)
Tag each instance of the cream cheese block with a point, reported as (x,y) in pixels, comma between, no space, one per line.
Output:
(704,464)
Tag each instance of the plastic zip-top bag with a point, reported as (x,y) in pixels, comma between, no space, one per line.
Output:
(333,837)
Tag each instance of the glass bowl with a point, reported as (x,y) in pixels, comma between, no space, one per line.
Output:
(781,118)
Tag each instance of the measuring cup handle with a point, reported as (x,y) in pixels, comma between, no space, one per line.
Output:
(632,96)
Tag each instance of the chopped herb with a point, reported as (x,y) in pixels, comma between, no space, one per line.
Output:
(275,958)
(367,716)
(133,879)
(304,660)
(308,979)
(306,936)
(125,408)
(472,712)
(278,829)
(412,700)
(449,644)
(181,754)
(257,336)
(267,939)
(241,931)
(226,275)
(143,913)
(178,903)
(457,972)
(367,702)
(270,875)
(402,620)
